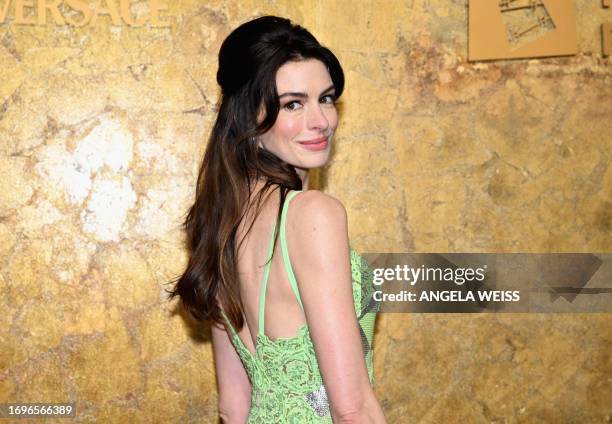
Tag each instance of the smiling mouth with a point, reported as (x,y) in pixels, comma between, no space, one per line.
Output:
(315,144)
(314,141)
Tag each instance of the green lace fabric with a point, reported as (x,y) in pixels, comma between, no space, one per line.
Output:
(286,382)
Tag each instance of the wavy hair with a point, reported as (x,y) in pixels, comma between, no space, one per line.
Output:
(249,59)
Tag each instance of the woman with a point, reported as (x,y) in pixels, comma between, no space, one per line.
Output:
(292,329)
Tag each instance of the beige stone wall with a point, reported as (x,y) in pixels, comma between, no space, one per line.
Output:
(101,130)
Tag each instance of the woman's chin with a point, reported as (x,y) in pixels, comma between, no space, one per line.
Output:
(317,163)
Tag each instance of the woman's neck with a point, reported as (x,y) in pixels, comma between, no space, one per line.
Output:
(303,174)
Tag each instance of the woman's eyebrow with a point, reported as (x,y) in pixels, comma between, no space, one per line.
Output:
(328,89)
(304,95)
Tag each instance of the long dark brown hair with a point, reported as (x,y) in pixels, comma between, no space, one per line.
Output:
(249,59)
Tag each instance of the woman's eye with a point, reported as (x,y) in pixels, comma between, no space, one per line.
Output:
(292,105)
(330,98)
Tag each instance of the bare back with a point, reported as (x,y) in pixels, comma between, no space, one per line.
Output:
(283,313)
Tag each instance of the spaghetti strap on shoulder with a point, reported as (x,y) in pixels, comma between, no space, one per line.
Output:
(283,237)
(292,281)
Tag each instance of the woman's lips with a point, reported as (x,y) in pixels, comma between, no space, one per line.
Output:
(316,144)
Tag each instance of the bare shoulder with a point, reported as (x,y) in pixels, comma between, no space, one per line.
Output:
(316,217)
(317,207)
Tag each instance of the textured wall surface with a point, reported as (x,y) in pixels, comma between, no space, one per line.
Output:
(101,131)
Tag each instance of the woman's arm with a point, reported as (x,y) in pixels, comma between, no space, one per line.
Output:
(317,234)
(233,383)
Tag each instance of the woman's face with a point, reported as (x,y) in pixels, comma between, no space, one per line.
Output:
(302,133)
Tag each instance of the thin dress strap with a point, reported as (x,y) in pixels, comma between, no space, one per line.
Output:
(283,238)
(292,280)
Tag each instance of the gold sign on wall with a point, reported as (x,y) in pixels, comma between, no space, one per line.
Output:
(79,13)
(606,38)
(508,29)
(606,33)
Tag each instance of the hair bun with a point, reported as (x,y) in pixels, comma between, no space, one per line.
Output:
(234,67)
(231,74)
(251,55)
(237,56)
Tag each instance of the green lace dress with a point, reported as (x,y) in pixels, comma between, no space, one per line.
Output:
(286,383)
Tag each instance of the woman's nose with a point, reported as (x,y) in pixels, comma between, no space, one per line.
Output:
(316,118)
